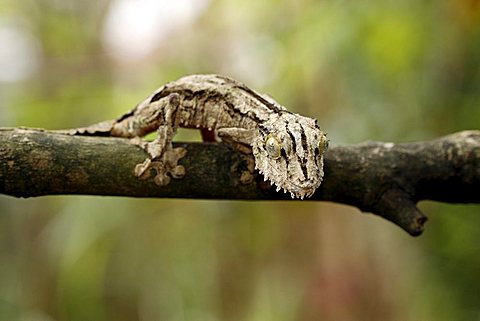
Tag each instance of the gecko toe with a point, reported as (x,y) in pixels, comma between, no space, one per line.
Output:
(178,171)
(162,180)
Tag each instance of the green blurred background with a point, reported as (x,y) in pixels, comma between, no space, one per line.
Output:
(380,70)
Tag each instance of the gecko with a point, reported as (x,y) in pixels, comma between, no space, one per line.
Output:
(287,148)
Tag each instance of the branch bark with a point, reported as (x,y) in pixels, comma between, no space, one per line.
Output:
(385,179)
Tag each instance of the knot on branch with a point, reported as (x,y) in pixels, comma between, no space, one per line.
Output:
(398,207)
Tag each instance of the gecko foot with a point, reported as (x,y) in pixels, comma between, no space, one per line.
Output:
(165,167)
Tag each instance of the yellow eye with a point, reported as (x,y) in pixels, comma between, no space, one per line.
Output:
(322,144)
(272,146)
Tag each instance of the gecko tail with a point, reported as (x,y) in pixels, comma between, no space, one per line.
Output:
(100,129)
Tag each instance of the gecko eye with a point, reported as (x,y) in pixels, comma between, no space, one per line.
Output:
(272,146)
(322,144)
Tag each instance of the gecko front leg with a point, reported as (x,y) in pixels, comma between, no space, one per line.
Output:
(163,158)
(241,139)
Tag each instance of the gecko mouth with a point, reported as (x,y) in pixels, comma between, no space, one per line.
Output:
(306,188)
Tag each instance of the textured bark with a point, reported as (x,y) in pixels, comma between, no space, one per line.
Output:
(382,178)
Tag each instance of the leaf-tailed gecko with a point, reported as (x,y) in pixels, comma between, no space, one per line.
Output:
(288,148)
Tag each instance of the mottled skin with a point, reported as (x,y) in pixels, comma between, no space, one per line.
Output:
(288,148)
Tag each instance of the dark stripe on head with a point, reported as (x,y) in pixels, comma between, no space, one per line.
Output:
(304,139)
(292,138)
(284,156)
(303,166)
(315,156)
(303,160)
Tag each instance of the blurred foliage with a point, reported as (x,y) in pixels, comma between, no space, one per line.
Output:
(386,70)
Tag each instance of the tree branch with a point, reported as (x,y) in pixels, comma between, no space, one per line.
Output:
(382,178)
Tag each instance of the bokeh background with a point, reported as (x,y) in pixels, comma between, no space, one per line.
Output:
(368,70)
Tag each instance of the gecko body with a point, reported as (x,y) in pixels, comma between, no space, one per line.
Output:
(288,148)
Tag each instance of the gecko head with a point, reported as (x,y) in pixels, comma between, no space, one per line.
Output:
(288,151)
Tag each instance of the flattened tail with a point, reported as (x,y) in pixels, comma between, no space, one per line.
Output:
(101,129)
